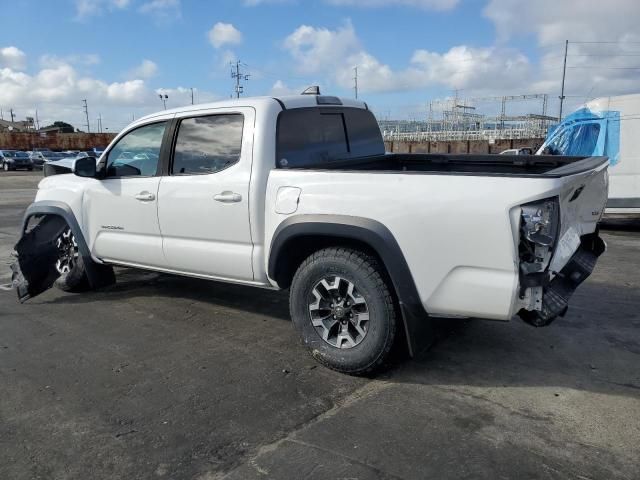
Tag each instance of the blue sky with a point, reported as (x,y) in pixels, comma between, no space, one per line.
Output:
(120,53)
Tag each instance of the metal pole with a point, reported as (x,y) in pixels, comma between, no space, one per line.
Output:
(191,95)
(564,72)
(238,79)
(355,79)
(86,112)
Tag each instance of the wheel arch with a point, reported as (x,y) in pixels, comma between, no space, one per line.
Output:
(95,271)
(300,235)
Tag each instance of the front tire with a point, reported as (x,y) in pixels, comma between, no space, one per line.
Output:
(343,309)
(70,265)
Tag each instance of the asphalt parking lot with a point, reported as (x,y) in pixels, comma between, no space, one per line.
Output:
(170,377)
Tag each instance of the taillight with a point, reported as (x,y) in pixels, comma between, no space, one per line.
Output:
(541,221)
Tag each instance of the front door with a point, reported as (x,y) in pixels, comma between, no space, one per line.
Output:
(122,209)
(204,201)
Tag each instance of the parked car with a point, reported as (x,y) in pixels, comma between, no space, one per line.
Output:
(94,152)
(40,157)
(297,193)
(518,151)
(15,159)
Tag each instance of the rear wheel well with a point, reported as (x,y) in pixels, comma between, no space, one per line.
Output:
(298,248)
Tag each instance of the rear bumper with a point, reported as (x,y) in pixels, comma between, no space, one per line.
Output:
(558,291)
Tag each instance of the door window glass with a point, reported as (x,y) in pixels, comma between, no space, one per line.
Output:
(137,153)
(207,144)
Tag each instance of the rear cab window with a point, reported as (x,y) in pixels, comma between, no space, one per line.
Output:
(316,136)
(207,144)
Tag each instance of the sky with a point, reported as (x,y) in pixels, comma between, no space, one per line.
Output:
(120,55)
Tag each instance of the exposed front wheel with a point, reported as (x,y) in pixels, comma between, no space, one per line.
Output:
(69,264)
(343,309)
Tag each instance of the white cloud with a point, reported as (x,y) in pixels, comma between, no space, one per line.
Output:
(146,69)
(335,53)
(88,8)
(224,34)
(12,57)
(594,69)
(57,90)
(162,10)
(85,59)
(318,49)
(279,88)
(425,4)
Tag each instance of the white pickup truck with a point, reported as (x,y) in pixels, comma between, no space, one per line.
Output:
(297,192)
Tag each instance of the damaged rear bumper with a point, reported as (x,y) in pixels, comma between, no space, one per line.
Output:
(557,291)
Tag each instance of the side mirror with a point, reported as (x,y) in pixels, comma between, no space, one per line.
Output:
(85,167)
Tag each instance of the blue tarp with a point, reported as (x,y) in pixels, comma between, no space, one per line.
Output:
(586,132)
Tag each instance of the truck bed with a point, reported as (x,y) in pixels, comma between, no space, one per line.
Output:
(451,164)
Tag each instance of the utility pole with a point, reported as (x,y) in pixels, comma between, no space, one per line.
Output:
(355,80)
(37,121)
(1,114)
(164,99)
(86,113)
(191,95)
(12,114)
(238,76)
(564,72)
(99,123)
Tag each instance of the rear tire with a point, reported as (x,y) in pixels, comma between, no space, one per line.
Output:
(343,309)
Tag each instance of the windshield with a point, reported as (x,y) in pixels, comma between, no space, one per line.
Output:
(12,154)
(55,155)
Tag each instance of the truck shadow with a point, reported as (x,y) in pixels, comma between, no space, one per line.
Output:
(596,347)
(133,283)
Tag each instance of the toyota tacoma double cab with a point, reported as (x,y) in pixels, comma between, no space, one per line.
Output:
(298,193)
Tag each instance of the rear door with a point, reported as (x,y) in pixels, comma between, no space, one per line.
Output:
(203,204)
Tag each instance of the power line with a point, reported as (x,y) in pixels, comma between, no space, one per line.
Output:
(610,43)
(604,68)
(238,76)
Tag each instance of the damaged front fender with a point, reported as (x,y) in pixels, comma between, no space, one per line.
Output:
(34,270)
(37,251)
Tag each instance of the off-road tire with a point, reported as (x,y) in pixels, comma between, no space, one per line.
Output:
(366,274)
(76,280)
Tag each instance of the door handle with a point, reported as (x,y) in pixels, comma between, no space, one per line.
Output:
(228,197)
(145,196)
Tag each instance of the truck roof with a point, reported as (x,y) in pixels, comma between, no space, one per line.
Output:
(289,102)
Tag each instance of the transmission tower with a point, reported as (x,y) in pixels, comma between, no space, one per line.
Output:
(355,80)
(238,76)
(86,113)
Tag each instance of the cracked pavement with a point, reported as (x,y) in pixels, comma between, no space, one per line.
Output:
(178,378)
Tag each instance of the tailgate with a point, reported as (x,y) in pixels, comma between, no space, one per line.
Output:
(582,199)
(559,243)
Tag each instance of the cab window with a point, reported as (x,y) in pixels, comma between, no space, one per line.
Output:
(137,153)
(207,144)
